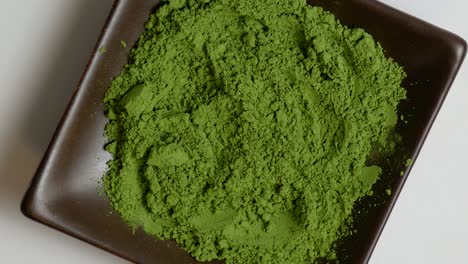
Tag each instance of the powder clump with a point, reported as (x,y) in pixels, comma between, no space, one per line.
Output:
(242,128)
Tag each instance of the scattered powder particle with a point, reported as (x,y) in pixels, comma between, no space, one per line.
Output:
(408,162)
(242,129)
(102,49)
(123,44)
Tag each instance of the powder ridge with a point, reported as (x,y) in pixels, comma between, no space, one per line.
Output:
(241,129)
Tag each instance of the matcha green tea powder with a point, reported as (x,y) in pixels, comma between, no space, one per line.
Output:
(242,128)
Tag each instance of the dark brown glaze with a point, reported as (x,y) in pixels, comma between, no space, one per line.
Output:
(66,193)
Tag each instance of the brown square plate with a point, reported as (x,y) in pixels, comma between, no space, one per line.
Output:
(66,193)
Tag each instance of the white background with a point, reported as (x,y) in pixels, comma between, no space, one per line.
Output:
(38,37)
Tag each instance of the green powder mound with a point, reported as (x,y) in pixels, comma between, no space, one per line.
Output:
(241,128)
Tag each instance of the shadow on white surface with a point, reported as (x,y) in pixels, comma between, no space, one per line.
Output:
(64,72)
(29,137)
(51,96)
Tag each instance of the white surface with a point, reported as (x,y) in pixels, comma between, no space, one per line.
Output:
(430,221)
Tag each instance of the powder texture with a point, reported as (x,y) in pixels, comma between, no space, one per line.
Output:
(241,128)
